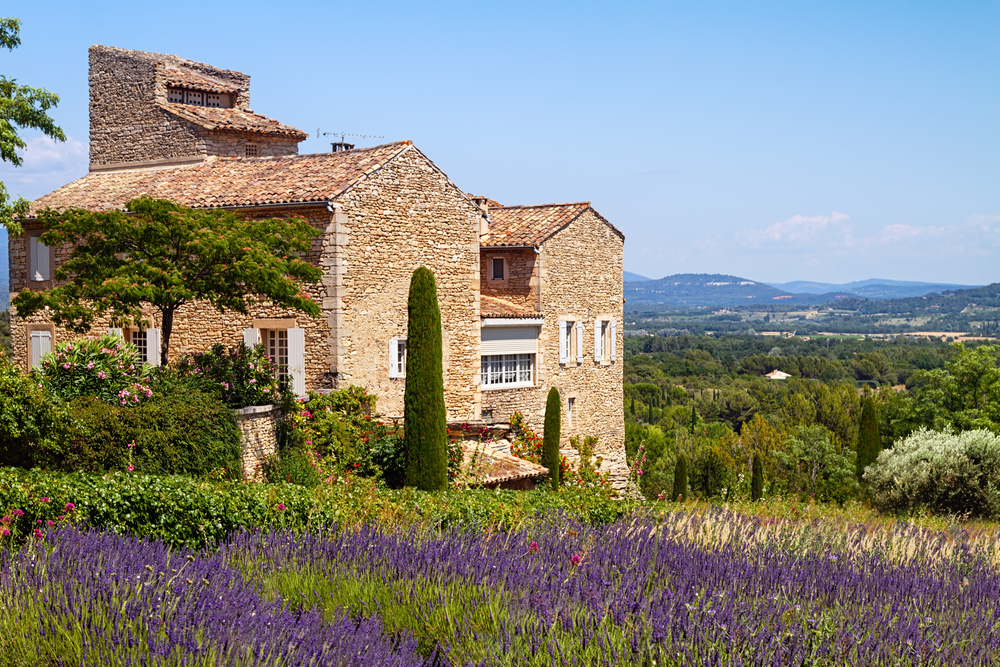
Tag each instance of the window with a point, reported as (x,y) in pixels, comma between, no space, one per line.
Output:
(196,98)
(498,370)
(276,346)
(605,340)
(497,269)
(570,404)
(570,342)
(40,344)
(397,358)
(40,259)
(139,341)
(251,149)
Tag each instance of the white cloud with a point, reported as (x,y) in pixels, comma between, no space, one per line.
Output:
(47,165)
(800,229)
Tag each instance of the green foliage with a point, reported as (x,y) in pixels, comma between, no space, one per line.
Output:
(757,481)
(425,438)
(680,490)
(105,368)
(943,471)
(587,474)
(28,422)
(869,441)
(160,254)
(528,446)
(812,466)
(243,376)
(711,476)
(551,435)
(6,346)
(21,107)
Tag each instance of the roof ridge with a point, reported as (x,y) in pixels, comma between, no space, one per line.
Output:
(572,203)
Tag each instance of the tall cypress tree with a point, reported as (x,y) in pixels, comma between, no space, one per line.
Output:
(680,479)
(869,440)
(551,435)
(757,479)
(425,422)
(694,419)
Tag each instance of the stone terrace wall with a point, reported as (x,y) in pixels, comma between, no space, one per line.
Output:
(403,216)
(233,144)
(258,438)
(521,283)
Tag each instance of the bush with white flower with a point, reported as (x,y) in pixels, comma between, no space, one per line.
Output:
(106,368)
(244,375)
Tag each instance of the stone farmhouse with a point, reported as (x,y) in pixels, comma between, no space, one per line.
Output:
(531,296)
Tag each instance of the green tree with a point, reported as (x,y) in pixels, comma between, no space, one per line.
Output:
(680,479)
(21,107)
(757,479)
(869,442)
(425,422)
(694,420)
(164,255)
(551,435)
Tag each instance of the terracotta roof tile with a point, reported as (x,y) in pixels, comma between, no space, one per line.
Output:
(491,306)
(215,118)
(487,466)
(185,78)
(513,226)
(228,181)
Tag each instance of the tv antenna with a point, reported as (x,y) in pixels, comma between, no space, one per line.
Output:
(342,145)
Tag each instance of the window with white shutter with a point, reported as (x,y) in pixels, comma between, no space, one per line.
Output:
(563,342)
(40,268)
(614,340)
(40,344)
(297,360)
(397,358)
(579,342)
(154,338)
(598,340)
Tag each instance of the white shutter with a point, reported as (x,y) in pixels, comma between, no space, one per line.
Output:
(251,337)
(44,270)
(563,342)
(614,340)
(33,258)
(598,342)
(508,340)
(117,333)
(394,358)
(297,360)
(41,344)
(579,342)
(153,338)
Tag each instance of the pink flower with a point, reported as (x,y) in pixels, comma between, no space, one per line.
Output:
(280,507)
(70,507)
(102,374)
(90,366)
(44,499)
(6,519)
(50,523)
(576,560)
(6,533)
(38,534)
(533,547)
(67,365)
(130,468)
(18,512)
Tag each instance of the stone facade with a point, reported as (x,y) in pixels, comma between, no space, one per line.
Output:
(519,285)
(258,438)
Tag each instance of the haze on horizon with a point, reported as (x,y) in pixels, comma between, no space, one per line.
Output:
(832,142)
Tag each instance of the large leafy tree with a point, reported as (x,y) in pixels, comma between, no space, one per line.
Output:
(160,254)
(21,107)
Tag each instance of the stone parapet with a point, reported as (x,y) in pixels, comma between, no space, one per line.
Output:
(258,426)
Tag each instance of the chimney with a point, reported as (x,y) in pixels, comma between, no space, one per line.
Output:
(484,205)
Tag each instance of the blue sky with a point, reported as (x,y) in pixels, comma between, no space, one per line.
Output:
(774,141)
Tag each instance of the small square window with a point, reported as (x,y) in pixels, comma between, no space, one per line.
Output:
(251,150)
(498,273)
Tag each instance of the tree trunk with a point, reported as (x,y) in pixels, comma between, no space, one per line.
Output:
(167,326)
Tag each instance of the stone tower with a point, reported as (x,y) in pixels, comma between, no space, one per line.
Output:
(150,109)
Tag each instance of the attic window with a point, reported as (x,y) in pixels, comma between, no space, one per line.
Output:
(251,149)
(197,98)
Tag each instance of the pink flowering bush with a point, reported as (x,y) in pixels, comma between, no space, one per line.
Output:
(106,368)
(243,375)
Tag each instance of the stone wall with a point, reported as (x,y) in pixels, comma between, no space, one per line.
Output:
(234,144)
(520,285)
(258,438)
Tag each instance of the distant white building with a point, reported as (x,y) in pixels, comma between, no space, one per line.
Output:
(777,375)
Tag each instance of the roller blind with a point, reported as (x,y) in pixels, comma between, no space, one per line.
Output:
(509,340)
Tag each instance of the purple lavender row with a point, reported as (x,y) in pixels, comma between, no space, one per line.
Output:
(131,601)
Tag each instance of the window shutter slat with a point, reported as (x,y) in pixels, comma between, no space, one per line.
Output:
(44,270)
(598,342)
(614,340)
(297,360)
(153,346)
(393,358)
(563,342)
(36,349)
(579,342)
(251,337)
(508,340)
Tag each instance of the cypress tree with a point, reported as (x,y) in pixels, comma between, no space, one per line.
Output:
(633,406)
(681,478)
(757,480)
(869,440)
(551,434)
(649,420)
(694,419)
(425,425)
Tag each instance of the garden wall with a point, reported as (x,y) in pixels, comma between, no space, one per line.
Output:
(258,438)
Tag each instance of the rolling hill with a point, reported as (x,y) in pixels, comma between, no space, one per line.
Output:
(689,290)
(874,288)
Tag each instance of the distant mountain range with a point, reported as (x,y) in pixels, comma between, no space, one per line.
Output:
(689,290)
(630,277)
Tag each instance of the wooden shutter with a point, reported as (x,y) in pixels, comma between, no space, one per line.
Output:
(297,360)
(598,342)
(579,342)
(563,342)
(614,340)
(153,341)
(41,344)
(33,258)
(508,340)
(43,261)
(251,337)
(394,358)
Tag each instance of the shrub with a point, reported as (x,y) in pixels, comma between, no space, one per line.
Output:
(245,376)
(425,437)
(757,480)
(28,422)
(106,368)
(946,472)
(710,474)
(680,479)
(588,474)
(551,434)
(189,433)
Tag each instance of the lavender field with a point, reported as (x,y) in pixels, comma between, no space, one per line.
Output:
(689,588)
